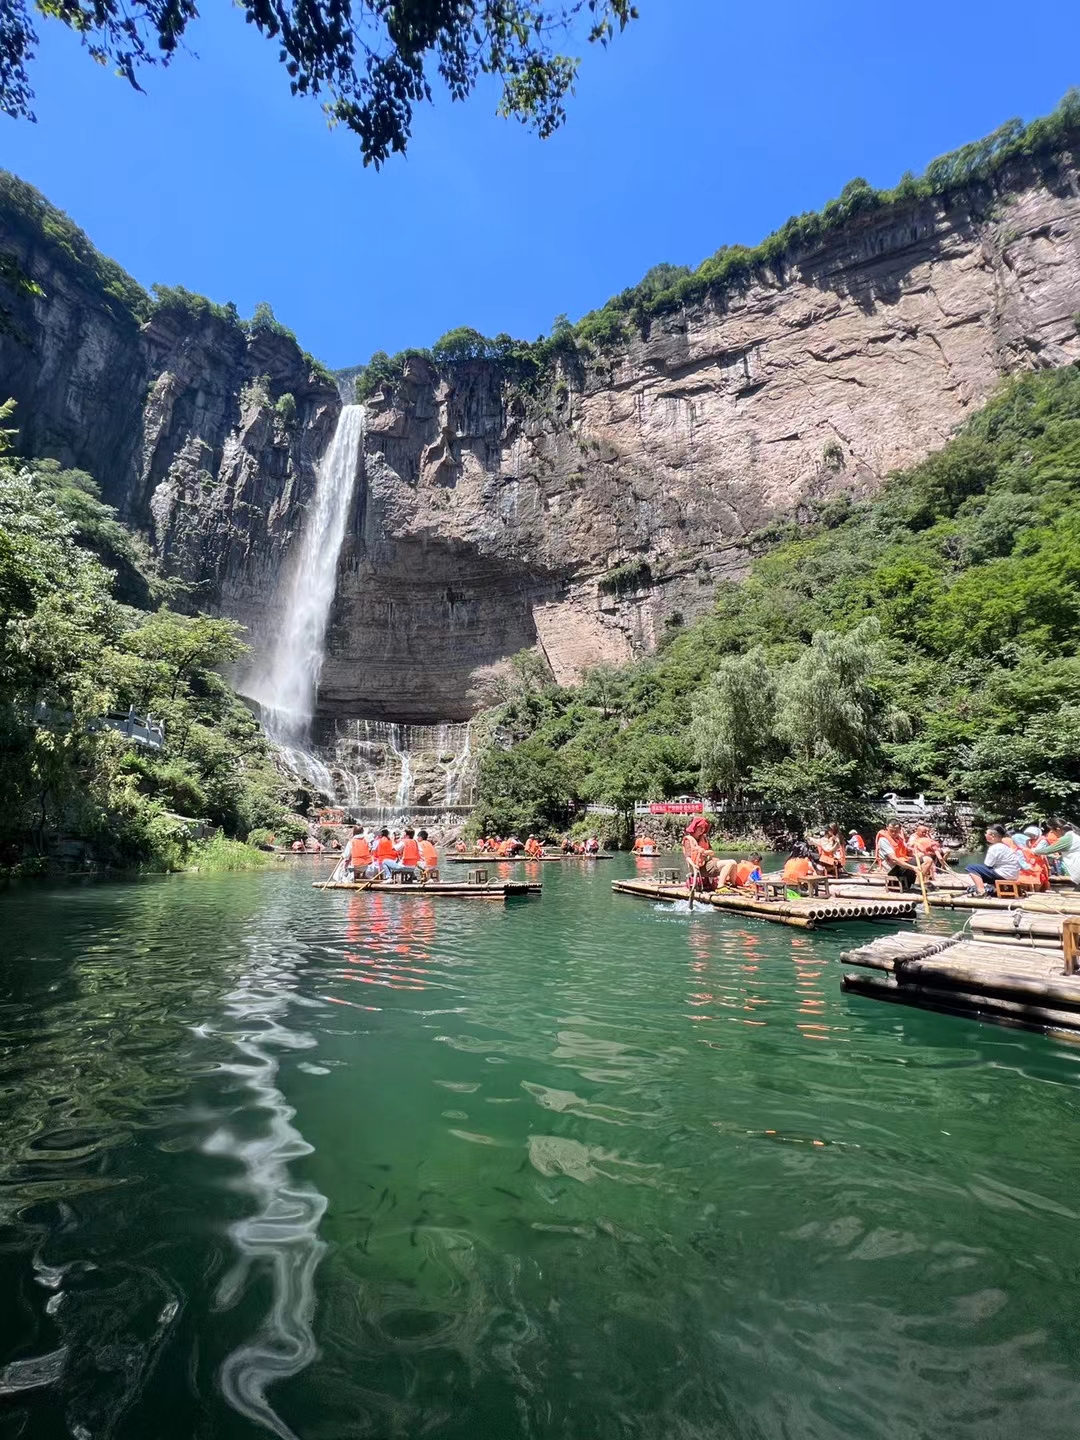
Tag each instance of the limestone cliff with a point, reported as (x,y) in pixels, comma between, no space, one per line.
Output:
(491,519)
(583,518)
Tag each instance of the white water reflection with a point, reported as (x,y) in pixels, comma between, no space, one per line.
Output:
(280,1238)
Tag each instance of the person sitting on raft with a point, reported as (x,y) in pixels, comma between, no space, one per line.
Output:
(1036,867)
(705,868)
(830,850)
(592,845)
(428,864)
(924,843)
(1063,841)
(383,849)
(406,856)
(895,856)
(1003,861)
(358,855)
(856,845)
(747,872)
(533,848)
(644,845)
(798,866)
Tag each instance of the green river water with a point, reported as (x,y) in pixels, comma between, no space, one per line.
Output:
(276,1161)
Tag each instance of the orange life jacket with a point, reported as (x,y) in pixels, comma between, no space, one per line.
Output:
(359,851)
(1036,867)
(384,848)
(428,853)
(410,851)
(797,869)
(743,871)
(898,843)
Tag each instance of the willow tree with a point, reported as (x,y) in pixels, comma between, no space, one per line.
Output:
(732,721)
(371,61)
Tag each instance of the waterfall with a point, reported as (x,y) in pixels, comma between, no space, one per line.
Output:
(399,744)
(288,682)
(455,768)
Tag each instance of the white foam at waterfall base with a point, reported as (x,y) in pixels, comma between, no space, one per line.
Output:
(287,682)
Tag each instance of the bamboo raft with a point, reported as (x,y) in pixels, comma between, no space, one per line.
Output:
(519,859)
(802,914)
(1010,970)
(948,898)
(494,890)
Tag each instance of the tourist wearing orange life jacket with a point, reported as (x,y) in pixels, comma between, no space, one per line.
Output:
(896,857)
(1036,866)
(407,856)
(703,865)
(747,871)
(798,866)
(924,844)
(429,856)
(830,849)
(358,857)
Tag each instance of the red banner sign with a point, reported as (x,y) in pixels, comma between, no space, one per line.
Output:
(677,807)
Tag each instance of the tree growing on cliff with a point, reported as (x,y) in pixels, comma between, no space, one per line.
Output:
(373,60)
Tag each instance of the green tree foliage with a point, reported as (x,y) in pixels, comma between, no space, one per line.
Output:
(733,718)
(926,640)
(71,653)
(374,61)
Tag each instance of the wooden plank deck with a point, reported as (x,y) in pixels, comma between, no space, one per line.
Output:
(804,914)
(1015,980)
(494,890)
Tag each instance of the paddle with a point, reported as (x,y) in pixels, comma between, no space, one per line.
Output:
(919,870)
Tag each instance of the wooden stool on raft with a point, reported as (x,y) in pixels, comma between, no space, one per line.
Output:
(478,877)
(669,877)
(894,883)
(1070,943)
(1014,889)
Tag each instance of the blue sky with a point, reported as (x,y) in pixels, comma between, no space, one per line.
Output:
(706,123)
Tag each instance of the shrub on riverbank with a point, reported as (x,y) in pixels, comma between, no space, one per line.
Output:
(209,857)
(71,653)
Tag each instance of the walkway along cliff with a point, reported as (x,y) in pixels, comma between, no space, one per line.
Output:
(582,516)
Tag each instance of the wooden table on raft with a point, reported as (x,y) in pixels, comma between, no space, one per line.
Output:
(494,890)
(1018,970)
(803,914)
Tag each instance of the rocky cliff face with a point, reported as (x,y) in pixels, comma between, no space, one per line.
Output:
(175,418)
(490,520)
(583,520)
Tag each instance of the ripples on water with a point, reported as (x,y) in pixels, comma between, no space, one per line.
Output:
(283,1162)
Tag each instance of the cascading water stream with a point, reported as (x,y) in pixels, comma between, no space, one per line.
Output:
(287,684)
(400,746)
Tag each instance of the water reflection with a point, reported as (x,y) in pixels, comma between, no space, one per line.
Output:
(279,1240)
